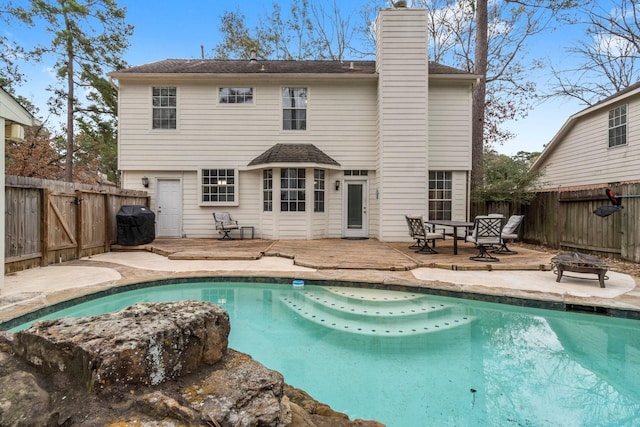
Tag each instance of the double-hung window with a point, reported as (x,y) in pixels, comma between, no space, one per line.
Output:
(292,190)
(318,190)
(294,108)
(267,190)
(618,126)
(235,95)
(164,107)
(218,186)
(440,195)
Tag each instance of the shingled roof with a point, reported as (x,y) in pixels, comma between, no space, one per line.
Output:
(293,153)
(214,66)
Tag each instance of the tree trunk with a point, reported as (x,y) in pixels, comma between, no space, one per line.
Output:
(479,96)
(68,165)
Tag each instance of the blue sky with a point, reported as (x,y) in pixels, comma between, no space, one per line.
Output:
(178,29)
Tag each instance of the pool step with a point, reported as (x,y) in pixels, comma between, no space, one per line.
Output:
(376,312)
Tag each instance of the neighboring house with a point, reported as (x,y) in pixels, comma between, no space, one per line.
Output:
(599,145)
(301,149)
(13,117)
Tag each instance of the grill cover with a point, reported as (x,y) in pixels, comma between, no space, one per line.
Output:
(136,225)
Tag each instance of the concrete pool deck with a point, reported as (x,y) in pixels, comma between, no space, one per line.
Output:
(526,276)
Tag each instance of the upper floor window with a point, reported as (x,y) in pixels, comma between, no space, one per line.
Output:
(218,185)
(164,107)
(318,190)
(294,108)
(440,195)
(618,126)
(267,190)
(235,95)
(292,190)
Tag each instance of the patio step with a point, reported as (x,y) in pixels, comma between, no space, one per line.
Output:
(376,312)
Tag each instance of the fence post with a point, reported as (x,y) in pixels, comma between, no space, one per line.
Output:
(44,227)
(107,222)
(79,223)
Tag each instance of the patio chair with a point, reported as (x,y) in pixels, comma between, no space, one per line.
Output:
(510,232)
(486,235)
(419,231)
(224,224)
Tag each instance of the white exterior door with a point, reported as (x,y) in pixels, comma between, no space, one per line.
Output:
(354,218)
(169,212)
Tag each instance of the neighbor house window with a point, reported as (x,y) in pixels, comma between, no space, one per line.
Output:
(235,95)
(318,190)
(218,185)
(294,108)
(267,190)
(618,126)
(164,107)
(292,193)
(440,195)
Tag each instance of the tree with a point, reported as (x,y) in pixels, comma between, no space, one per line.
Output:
(88,38)
(306,31)
(609,60)
(509,179)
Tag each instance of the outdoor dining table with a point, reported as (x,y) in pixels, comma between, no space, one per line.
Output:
(455,225)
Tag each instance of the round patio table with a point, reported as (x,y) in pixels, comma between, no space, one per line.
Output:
(579,263)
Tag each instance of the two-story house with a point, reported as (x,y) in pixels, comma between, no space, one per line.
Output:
(597,146)
(301,149)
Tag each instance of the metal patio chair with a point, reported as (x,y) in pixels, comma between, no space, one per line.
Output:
(422,234)
(486,235)
(224,224)
(510,232)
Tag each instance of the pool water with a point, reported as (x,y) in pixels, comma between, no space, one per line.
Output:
(408,359)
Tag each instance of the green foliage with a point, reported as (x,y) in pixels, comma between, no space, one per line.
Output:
(508,179)
(88,38)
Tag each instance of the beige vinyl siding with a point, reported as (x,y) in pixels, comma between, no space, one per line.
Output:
(449,126)
(583,157)
(402,118)
(341,122)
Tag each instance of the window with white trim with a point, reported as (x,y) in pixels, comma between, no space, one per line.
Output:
(292,190)
(267,190)
(235,95)
(440,195)
(218,186)
(318,190)
(618,126)
(294,108)
(164,101)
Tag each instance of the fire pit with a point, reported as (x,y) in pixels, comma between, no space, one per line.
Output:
(579,263)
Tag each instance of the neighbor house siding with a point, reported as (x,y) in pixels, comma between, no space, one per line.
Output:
(583,156)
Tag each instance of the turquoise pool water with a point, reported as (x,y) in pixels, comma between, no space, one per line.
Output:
(412,359)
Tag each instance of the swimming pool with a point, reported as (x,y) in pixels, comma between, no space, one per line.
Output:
(409,359)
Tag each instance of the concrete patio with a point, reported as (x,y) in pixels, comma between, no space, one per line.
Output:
(523,279)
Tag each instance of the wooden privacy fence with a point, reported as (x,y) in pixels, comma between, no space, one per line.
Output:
(565,220)
(47,222)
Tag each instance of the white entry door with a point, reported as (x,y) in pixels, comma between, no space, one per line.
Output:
(354,218)
(169,212)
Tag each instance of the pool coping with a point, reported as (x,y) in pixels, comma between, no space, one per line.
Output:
(473,295)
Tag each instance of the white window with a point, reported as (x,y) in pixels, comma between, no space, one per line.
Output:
(294,108)
(164,107)
(267,190)
(440,195)
(318,190)
(235,95)
(218,186)
(292,190)
(618,126)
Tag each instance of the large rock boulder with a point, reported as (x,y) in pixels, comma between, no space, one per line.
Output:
(150,365)
(144,344)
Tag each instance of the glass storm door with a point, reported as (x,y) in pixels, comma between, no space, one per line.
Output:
(355,204)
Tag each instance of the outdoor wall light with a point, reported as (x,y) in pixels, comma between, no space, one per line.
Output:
(337,184)
(145,182)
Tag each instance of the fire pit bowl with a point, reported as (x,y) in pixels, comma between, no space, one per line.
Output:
(579,263)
